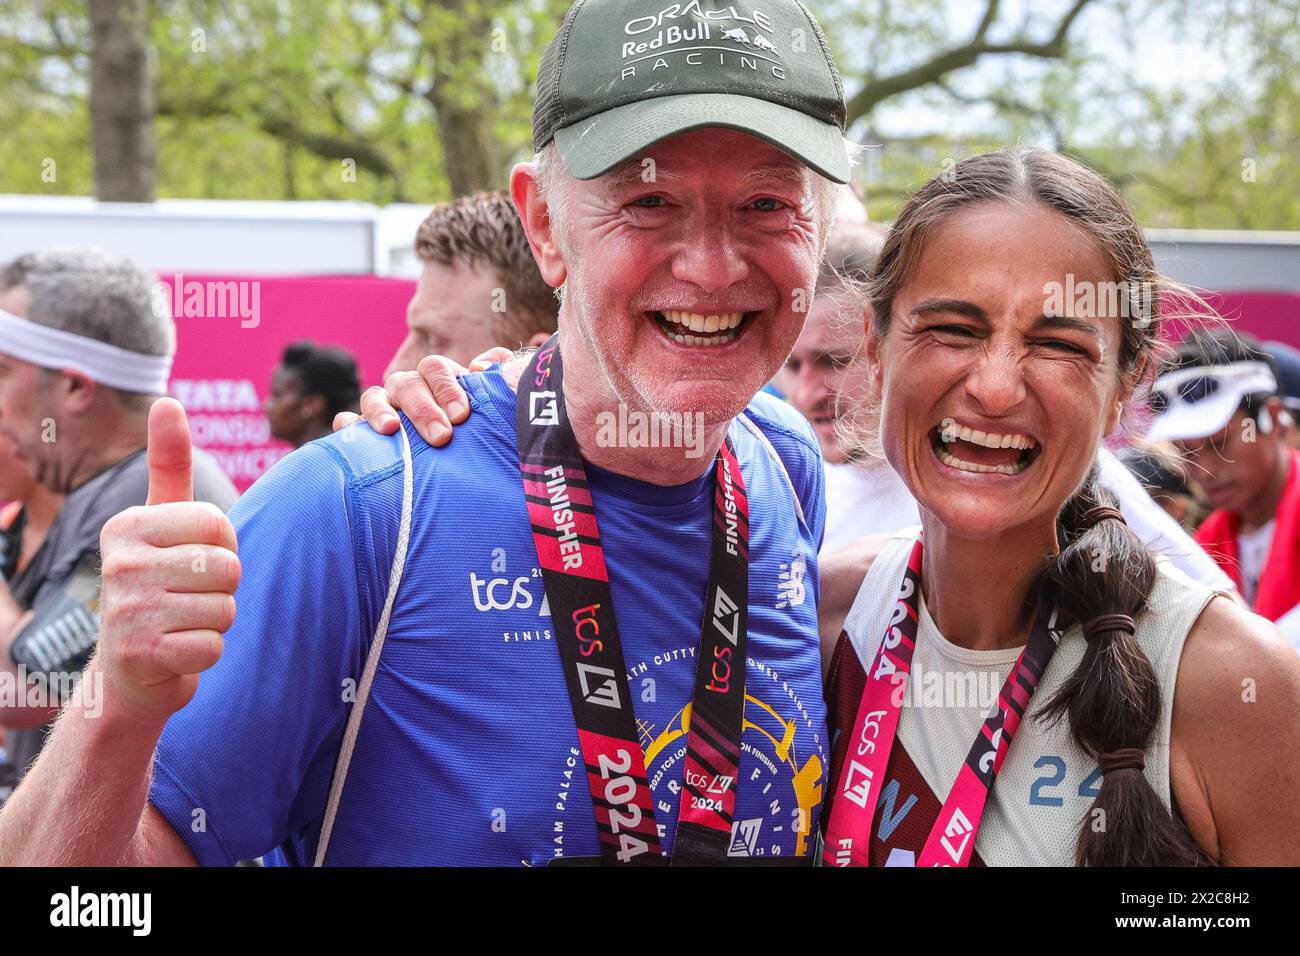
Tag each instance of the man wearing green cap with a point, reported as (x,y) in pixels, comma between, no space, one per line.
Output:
(585,630)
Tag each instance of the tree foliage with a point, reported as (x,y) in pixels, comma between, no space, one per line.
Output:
(419,100)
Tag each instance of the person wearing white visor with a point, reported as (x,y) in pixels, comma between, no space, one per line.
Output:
(83,355)
(1200,401)
(1219,404)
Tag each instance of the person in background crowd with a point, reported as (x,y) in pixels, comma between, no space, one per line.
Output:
(480,285)
(83,355)
(824,378)
(1287,360)
(28,510)
(311,385)
(851,217)
(24,521)
(1218,401)
(1164,477)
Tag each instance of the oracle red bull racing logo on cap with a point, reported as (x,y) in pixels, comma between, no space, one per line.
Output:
(727,37)
(638,25)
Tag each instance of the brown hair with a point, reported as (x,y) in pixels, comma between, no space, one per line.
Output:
(1112,699)
(484,229)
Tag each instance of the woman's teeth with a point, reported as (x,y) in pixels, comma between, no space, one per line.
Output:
(960,465)
(987,439)
(709,329)
(950,433)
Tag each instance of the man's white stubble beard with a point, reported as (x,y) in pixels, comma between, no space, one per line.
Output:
(583,305)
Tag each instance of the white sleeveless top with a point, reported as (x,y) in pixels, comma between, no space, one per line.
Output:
(1047,783)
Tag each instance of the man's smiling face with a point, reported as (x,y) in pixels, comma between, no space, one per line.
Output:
(691,269)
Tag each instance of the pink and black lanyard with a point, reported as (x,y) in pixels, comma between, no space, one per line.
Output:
(563,519)
(952,839)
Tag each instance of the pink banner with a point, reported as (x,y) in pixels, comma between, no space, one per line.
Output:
(230,333)
(1268,316)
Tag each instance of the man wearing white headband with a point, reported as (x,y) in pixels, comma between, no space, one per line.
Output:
(1219,404)
(83,354)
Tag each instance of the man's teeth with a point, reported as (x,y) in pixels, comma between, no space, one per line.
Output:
(988,439)
(693,340)
(704,323)
(960,465)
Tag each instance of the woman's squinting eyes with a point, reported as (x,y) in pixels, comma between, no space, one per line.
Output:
(955,335)
(1055,345)
(1066,347)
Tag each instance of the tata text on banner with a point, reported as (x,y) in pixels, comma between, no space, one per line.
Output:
(231,331)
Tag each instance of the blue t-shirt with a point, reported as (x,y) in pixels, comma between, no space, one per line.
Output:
(467,752)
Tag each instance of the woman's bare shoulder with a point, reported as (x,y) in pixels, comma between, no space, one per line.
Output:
(1236,736)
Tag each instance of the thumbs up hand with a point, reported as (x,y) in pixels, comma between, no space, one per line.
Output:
(169,573)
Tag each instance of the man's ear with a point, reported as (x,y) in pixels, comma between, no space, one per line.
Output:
(538,340)
(75,391)
(538,226)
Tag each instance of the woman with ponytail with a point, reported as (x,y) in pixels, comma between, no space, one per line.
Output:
(1106,710)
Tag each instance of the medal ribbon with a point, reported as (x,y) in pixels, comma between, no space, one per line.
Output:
(952,838)
(569,551)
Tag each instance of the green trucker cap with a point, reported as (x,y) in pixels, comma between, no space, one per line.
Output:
(622,75)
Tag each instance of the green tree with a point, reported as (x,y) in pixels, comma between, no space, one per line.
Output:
(388,100)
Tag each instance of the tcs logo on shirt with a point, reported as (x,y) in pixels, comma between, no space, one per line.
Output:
(498,590)
(500,594)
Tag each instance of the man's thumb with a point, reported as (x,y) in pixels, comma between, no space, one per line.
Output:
(171,475)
